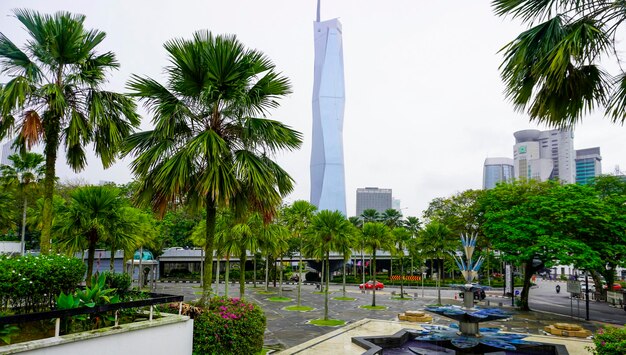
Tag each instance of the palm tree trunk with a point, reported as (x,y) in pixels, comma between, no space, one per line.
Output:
(242,273)
(280,288)
(323,275)
(300,275)
(326,291)
(344,277)
(401,277)
(254,272)
(52,127)
(373,264)
(211,213)
(23,240)
(267,273)
(439,284)
(227,276)
(112,260)
(217,277)
(91,253)
(363,263)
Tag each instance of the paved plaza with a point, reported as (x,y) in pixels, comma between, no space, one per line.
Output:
(286,329)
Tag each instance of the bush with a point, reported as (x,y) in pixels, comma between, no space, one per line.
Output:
(229,326)
(610,340)
(119,281)
(31,283)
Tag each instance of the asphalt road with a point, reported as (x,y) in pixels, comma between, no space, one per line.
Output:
(544,298)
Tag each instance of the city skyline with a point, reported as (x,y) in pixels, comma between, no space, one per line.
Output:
(424,104)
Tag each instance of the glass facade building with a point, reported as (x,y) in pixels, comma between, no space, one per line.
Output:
(328,188)
(497,170)
(588,165)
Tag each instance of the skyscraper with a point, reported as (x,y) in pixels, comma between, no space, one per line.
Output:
(588,165)
(497,170)
(373,198)
(7,151)
(544,155)
(328,190)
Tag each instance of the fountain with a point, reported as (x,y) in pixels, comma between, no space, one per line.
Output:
(466,337)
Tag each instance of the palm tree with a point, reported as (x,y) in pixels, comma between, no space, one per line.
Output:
(298,217)
(209,143)
(358,224)
(93,214)
(55,90)
(343,244)
(434,242)
(370,215)
(553,69)
(391,218)
(26,170)
(6,211)
(377,236)
(402,238)
(133,230)
(413,225)
(326,229)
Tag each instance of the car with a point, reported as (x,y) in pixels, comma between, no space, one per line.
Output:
(616,287)
(478,294)
(370,285)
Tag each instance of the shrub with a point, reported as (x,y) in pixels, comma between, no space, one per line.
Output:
(229,326)
(119,281)
(610,340)
(31,283)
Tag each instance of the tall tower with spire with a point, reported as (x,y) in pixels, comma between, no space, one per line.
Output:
(328,187)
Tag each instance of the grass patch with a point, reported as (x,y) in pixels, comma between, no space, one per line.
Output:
(344,299)
(299,308)
(327,323)
(263,351)
(280,299)
(266,292)
(398,298)
(374,308)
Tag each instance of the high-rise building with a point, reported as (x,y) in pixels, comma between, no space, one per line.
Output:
(544,155)
(328,188)
(396,204)
(373,198)
(497,170)
(588,165)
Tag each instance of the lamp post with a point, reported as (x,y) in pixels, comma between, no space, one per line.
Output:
(586,295)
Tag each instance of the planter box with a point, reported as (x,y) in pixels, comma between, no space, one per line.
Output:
(170,334)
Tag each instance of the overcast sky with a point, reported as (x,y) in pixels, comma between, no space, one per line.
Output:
(424,102)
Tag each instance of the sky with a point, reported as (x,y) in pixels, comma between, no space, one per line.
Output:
(424,99)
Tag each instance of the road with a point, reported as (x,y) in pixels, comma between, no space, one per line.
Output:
(544,298)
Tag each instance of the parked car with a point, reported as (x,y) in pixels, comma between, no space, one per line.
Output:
(478,294)
(370,285)
(616,287)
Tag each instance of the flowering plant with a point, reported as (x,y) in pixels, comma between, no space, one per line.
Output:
(610,340)
(229,326)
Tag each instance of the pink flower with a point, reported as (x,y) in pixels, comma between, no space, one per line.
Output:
(603,343)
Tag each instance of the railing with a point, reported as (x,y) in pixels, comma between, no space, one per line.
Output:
(155,298)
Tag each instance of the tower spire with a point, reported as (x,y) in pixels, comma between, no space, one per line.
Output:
(318,10)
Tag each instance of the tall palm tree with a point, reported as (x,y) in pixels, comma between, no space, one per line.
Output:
(434,242)
(326,229)
(93,214)
(298,217)
(392,218)
(377,236)
(55,95)
(344,243)
(370,215)
(210,142)
(26,170)
(402,237)
(413,225)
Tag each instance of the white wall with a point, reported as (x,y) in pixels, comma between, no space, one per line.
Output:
(171,335)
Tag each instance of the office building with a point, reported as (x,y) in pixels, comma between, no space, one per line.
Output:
(544,155)
(396,204)
(588,165)
(328,188)
(373,198)
(497,170)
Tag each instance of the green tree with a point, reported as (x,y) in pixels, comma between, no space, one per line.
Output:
(209,143)
(326,229)
(391,218)
(25,171)
(92,216)
(6,212)
(298,217)
(376,236)
(541,224)
(552,70)
(434,242)
(55,90)
(413,225)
